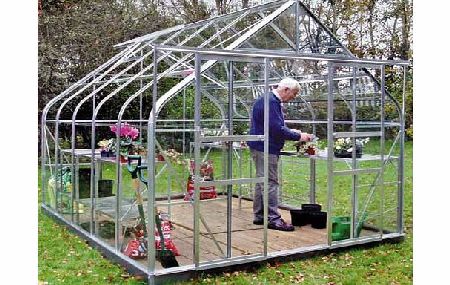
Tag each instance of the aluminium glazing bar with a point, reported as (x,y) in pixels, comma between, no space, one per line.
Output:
(171,68)
(230,158)
(174,90)
(330,142)
(151,184)
(219,85)
(218,18)
(232,138)
(62,95)
(382,146)
(354,198)
(235,181)
(322,26)
(197,135)
(356,171)
(280,32)
(266,153)
(401,178)
(234,52)
(312,181)
(153,35)
(355,134)
(155,76)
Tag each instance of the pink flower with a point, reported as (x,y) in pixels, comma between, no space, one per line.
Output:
(125,130)
(134,133)
(113,128)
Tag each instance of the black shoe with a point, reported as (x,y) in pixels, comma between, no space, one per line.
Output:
(281,226)
(258,222)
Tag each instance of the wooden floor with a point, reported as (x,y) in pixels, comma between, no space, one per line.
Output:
(246,238)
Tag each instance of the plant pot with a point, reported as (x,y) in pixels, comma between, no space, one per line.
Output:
(311,207)
(105,228)
(105,188)
(104,153)
(346,154)
(84,183)
(300,217)
(123,159)
(340,228)
(310,151)
(318,219)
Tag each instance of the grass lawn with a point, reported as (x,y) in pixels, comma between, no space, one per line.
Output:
(66,259)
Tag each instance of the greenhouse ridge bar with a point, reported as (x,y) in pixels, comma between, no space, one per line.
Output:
(161,159)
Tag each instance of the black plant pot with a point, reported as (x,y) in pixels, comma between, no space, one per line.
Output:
(345,154)
(104,153)
(105,188)
(311,207)
(318,220)
(105,228)
(300,217)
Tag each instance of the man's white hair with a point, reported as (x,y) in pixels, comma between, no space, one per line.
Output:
(289,83)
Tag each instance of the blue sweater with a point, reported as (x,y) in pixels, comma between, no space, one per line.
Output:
(278,132)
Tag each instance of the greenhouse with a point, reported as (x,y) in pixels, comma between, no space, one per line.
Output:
(146,157)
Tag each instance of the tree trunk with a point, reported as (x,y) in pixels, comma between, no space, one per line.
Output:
(404,47)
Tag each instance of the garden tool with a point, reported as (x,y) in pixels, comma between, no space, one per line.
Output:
(135,181)
(165,256)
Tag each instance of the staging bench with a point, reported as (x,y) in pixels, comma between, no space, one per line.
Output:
(103,205)
(323,156)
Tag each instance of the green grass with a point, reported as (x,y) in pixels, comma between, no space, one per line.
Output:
(66,259)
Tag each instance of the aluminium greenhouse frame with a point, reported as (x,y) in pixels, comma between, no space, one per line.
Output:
(230,54)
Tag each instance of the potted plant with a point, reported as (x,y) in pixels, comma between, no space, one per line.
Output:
(306,148)
(127,135)
(106,148)
(343,147)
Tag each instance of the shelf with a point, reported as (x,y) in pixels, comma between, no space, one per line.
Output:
(324,156)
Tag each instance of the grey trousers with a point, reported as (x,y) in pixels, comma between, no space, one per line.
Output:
(258,205)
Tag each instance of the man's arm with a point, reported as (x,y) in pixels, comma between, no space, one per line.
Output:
(277,127)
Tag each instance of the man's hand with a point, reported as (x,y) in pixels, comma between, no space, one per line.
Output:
(305,137)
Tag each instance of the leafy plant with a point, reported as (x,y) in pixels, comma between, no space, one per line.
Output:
(346,145)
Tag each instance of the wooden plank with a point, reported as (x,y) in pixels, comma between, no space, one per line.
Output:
(246,238)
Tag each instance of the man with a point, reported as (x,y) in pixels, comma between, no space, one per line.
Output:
(287,90)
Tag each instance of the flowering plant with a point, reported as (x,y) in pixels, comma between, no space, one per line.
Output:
(104,145)
(309,148)
(173,156)
(127,135)
(343,147)
(127,132)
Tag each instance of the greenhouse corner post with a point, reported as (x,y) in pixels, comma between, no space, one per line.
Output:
(401,178)
(354,162)
(197,106)
(266,151)
(151,137)
(230,158)
(330,150)
(382,146)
